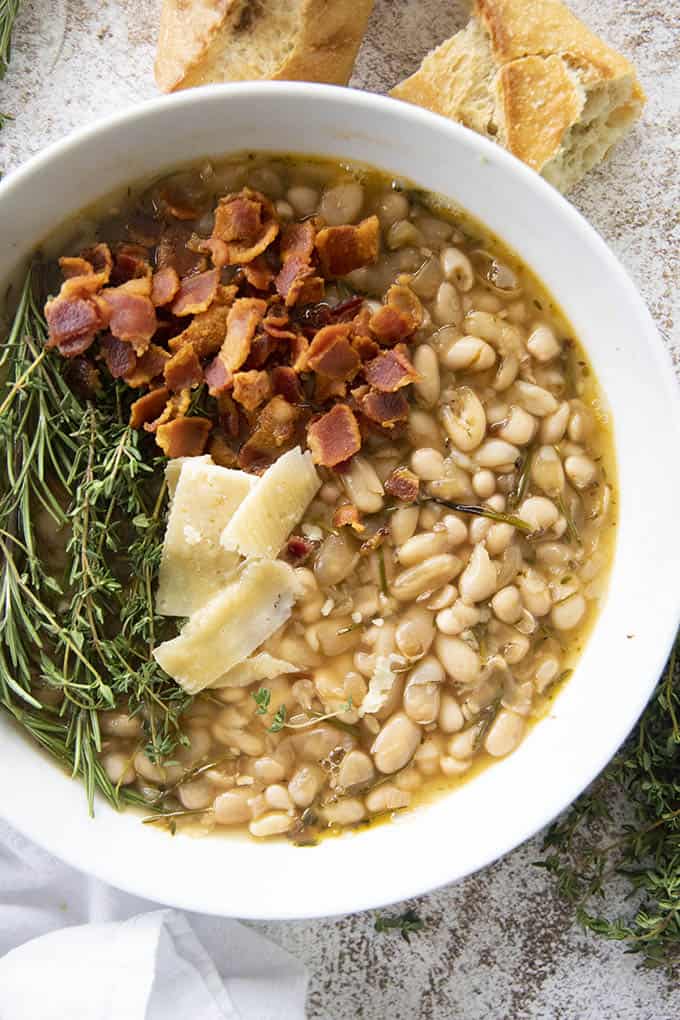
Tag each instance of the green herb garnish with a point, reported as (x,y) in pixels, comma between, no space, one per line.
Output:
(589,850)
(262,698)
(8,12)
(82,624)
(406,924)
(279,720)
(383,573)
(516,496)
(481,511)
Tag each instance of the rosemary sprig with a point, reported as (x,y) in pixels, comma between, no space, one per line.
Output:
(8,12)
(77,480)
(481,511)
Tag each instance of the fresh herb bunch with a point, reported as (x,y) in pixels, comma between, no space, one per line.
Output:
(8,12)
(80,542)
(592,848)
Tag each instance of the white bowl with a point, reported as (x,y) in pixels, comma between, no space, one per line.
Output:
(459,833)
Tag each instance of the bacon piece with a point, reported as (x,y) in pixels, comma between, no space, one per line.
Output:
(207,330)
(101,259)
(262,347)
(328,389)
(83,377)
(196,293)
(251,389)
(184,437)
(164,286)
(133,317)
(258,274)
(148,367)
(294,267)
(390,370)
(298,353)
(177,406)
(131,263)
(365,347)
(348,515)
(285,383)
(298,549)
(274,433)
(403,485)
(72,323)
(335,437)
(244,317)
(386,409)
(148,407)
(307,290)
(119,357)
(245,226)
(343,249)
(297,241)
(75,266)
(399,317)
(218,377)
(221,452)
(183,370)
(172,250)
(228,415)
(331,353)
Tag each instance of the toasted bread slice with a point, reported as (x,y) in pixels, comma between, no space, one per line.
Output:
(202,41)
(530,75)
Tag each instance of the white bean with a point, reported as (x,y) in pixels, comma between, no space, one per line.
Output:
(233,806)
(421,546)
(396,743)
(387,798)
(568,614)
(455,529)
(392,206)
(119,768)
(356,770)
(426,576)
(415,632)
(459,659)
(457,268)
(342,203)
(504,734)
(546,470)
(273,824)
(496,453)
(539,513)
(554,425)
(304,200)
(507,604)
(457,618)
(535,399)
(305,783)
(363,486)
(467,354)
(277,797)
(479,579)
(464,420)
(197,794)
(519,427)
(451,717)
(447,305)
(543,344)
(535,593)
(426,364)
(498,538)
(581,470)
(346,811)
(427,463)
(403,523)
(484,483)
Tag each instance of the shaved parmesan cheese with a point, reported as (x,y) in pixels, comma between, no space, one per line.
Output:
(267,516)
(380,685)
(261,667)
(194,565)
(174,467)
(231,626)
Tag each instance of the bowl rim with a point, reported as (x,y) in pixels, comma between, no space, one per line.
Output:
(346,99)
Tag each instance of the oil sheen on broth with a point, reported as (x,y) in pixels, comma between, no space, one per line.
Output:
(458,629)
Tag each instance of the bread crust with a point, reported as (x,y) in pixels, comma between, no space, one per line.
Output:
(525,73)
(195,35)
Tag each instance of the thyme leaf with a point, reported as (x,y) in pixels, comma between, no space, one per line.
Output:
(406,924)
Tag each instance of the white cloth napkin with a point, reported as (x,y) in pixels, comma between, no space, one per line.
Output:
(72,948)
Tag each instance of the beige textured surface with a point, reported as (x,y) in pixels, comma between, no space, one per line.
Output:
(498,946)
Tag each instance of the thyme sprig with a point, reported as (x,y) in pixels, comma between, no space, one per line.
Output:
(8,12)
(592,846)
(80,541)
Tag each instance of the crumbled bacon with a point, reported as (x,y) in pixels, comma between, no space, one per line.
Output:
(245,226)
(72,323)
(399,317)
(298,549)
(184,437)
(331,353)
(390,370)
(251,389)
(148,407)
(147,368)
(164,286)
(286,383)
(273,434)
(119,357)
(196,293)
(386,409)
(101,260)
(343,249)
(183,370)
(403,485)
(326,388)
(335,437)
(131,263)
(207,330)
(76,266)
(243,319)
(261,349)
(348,515)
(297,241)
(176,406)
(218,377)
(133,316)
(258,273)
(366,348)
(228,415)
(221,452)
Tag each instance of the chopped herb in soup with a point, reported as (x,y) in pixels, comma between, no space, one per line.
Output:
(309,502)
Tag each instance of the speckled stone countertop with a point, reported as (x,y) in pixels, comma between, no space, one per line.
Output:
(500,945)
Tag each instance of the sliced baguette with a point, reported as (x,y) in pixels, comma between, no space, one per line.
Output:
(530,75)
(202,41)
